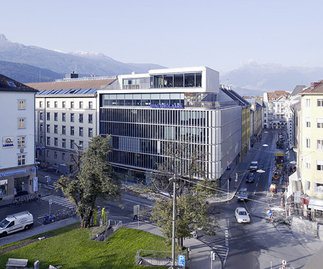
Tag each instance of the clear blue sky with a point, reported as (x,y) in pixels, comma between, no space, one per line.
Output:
(222,34)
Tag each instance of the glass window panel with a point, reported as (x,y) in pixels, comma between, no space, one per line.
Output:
(164,96)
(189,80)
(178,80)
(168,81)
(198,81)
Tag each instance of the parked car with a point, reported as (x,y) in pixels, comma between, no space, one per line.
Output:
(253,166)
(16,222)
(250,178)
(242,215)
(242,194)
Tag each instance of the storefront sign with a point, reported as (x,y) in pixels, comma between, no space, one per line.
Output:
(12,173)
(4,182)
(7,141)
(165,106)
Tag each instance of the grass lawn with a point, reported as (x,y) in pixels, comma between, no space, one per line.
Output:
(74,249)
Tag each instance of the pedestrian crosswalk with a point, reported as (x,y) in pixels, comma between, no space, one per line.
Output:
(59,200)
(222,251)
(219,244)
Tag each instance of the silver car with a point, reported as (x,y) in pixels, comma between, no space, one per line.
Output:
(242,215)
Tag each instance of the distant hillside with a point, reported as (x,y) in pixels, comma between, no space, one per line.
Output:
(258,78)
(82,63)
(34,64)
(26,73)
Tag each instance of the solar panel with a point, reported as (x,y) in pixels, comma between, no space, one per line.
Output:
(92,90)
(82,90)
(67,91)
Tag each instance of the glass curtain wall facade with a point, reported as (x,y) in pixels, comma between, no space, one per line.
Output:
(141,136)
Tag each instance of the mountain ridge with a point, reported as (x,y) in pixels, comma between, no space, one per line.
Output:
(60,62)
(251,78)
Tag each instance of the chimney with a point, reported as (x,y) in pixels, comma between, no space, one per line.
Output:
(72,75)
(315,84)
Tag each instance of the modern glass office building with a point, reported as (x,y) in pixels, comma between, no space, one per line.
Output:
(147,114)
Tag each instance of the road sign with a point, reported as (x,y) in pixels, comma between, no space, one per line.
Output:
(181,260)
(136,209)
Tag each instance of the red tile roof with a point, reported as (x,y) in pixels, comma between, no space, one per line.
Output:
(315,88)
(276,94)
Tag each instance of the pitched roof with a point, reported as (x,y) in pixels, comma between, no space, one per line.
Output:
(236,97)
(297,89)
(72,84)
(276,94)
(10,85)
(315,88)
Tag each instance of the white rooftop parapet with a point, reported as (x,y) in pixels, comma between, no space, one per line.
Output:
(209,81)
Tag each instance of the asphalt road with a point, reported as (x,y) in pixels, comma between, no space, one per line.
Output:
(251,246)
(244,246)
(261,244)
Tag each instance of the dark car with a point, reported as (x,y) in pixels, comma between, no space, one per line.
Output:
(21,193)
(250,178)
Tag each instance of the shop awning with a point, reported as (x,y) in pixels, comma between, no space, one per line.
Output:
(316,204)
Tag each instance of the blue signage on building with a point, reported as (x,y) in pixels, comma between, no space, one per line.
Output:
(181,260)
(12,173)
(165,106)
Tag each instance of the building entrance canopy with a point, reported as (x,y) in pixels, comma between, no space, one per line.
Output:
(316,204)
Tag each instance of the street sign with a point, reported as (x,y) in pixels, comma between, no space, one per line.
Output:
(136,209)
(181,260)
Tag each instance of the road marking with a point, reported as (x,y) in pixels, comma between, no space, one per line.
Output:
(58,200)
(136,202)
(226,237)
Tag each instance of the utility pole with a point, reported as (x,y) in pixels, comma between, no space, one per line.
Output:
(228,187)
(174,218)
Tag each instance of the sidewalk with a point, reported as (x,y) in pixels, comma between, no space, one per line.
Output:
(200,253)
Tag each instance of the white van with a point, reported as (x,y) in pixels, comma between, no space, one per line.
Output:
(16,222)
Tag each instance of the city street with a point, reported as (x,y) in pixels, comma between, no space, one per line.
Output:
(259,244)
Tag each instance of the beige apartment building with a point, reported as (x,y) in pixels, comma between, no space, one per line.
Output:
(310,146)
(66,118)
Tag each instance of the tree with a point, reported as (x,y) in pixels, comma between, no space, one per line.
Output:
(192,189)
(92,178)
(192,214)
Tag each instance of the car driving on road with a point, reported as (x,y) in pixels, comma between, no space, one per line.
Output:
(16,222)
(253,166)
(242,194)
(242,215)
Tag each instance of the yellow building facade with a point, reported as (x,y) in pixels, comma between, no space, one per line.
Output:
(245,131)
(310,142)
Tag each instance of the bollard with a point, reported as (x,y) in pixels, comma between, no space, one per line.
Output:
(36,264)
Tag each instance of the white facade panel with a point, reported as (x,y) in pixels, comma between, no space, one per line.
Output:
(9,122)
